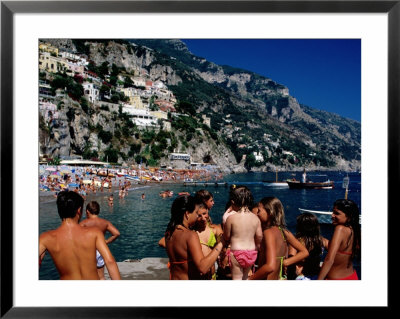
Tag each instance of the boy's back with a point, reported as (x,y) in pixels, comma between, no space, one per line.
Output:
(73,250)
(98,222)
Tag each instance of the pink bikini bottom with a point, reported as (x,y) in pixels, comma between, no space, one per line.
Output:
(245,258)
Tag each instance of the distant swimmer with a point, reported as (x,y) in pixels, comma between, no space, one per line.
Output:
(93,220)
(111,200)
(72,247)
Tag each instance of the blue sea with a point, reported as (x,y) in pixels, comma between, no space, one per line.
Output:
(143,222)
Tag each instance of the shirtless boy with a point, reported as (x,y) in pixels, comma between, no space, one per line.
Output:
(72,247)
(93,220)
(244,233)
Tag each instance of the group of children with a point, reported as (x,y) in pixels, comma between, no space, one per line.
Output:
(253,241)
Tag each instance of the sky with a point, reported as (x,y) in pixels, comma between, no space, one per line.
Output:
(324,74)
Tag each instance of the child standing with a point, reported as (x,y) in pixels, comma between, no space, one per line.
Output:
(273,256)
(243,231)
(345,243)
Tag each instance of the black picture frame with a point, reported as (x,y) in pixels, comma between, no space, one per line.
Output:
(9,8)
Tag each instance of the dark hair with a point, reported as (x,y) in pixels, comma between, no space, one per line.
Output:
(181,205)
(242,197)
(350,209)
(68,203)
(93,208)
(308,233)
(276,213)
(202,196)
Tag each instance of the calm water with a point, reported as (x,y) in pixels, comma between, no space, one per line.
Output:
(142,222)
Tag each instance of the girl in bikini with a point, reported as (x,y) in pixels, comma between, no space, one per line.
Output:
(186,259)
(208,236)
(243,231)
(273,257)
(345,243)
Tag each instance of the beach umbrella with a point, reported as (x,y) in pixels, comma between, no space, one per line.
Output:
(51,169)
(54,176)
(65,171)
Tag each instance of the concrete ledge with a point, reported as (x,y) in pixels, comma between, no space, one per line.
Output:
(144,269)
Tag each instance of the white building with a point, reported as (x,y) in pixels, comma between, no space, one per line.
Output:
(258,156)
(141,117)
(91,91)
(179,156)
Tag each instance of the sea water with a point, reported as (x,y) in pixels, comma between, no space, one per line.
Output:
(142,222)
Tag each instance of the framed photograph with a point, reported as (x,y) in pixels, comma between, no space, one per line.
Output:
(23,23)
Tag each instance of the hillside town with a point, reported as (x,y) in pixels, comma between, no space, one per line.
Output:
(141,96)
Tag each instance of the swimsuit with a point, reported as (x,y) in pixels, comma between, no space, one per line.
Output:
(353,276)
(344,252)
(99,259)
(211,240)
(172,263)
(282,277)
(245,258)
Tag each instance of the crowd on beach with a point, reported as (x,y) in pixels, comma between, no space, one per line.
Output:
(91,180)
(253,241)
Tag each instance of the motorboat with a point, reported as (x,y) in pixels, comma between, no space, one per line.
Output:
(294,184)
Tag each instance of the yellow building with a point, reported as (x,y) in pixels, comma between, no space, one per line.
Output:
(47,47)
(50,63)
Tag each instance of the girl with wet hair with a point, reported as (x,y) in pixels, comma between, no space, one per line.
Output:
(186,259)
(345,244)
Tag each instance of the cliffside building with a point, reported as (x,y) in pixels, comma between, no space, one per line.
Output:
(91,91)
(179,156)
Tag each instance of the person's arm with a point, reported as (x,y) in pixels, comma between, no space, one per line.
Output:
(258,235)
(203,263)
(109,260)
(302,251)
(113,231)
(325,242)
(162,243)
(270,253)
(227,230)
(334,245)
(42,249)
(292,251)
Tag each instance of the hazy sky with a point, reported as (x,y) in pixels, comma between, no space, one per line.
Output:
(323,74)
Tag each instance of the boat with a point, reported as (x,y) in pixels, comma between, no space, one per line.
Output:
(275,183)
(293,184)
(132,178)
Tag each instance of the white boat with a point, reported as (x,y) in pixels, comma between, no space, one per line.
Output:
(132,178)
(276,183)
